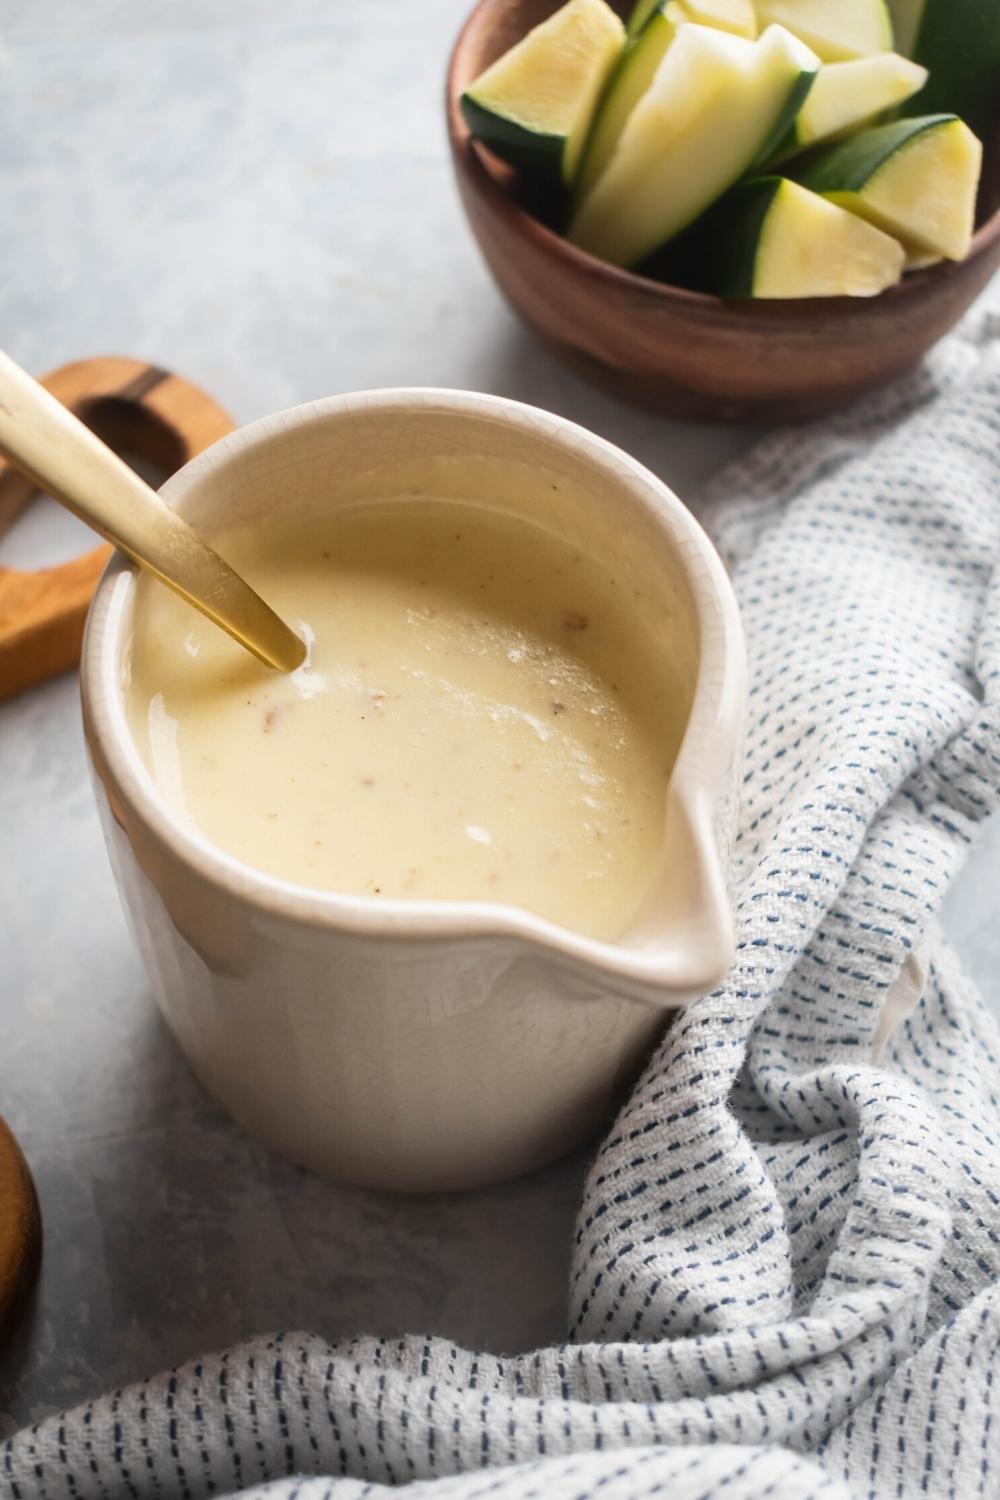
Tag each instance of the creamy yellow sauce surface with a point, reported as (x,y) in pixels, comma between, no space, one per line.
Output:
(479,717)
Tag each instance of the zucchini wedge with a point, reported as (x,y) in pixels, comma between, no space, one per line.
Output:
(847,95)
(773,238)
(533,107)
(959,41)
(638,66)
(914,179)
(639,15)
(835,29)
(716,104)
(635,72)
(917,260)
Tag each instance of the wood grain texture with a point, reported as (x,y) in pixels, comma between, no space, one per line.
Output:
(139,410)
(681,352)
(20,1229)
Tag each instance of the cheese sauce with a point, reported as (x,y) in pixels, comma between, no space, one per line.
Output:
(480,717)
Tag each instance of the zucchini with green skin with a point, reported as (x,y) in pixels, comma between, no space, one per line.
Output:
(914,179)
(640,14)
(534,106)
(717,102)
(773,238)
(637,68)
(736,16)
(847,95)
(959,41)
(836,30)
(633,75)
(799,89)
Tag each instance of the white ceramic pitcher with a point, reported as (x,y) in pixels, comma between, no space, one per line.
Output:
(426,1045)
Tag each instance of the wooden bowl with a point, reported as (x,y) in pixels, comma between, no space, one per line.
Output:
(20,1231)
(682,352)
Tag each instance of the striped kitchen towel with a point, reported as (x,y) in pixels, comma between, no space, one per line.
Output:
(787,1271)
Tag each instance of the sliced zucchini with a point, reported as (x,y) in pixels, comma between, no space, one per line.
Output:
(959,41)
(915,179)
(632,77)
(715,104)
(847,95)
(638,65)
(793,53)
(533,107)
(639,15)
(773,238)
(918,260)
(737,16)
(835,29)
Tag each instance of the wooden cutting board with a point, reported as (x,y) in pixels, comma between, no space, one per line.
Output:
(20,1230)
(142,412)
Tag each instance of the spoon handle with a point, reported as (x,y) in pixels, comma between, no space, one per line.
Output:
(54,449)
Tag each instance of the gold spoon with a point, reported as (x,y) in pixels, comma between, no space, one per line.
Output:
(59,454)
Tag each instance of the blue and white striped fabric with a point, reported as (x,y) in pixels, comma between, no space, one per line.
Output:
(787,1269)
